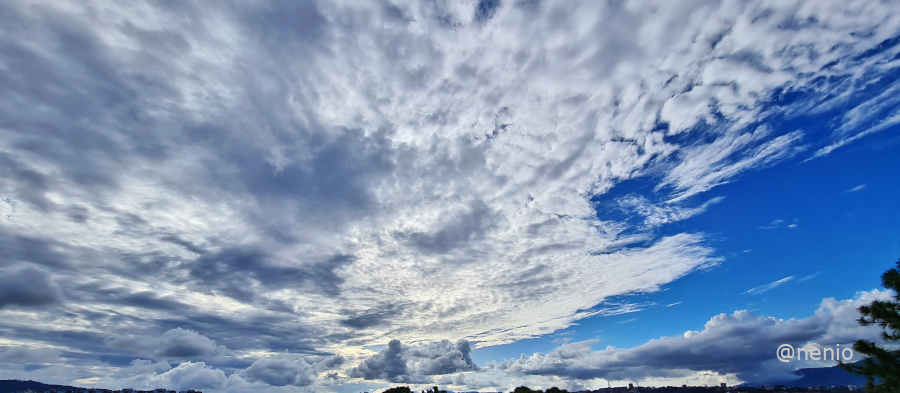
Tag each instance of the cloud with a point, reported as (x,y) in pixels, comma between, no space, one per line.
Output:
(779,223)
(289,369)
(767,287)
(27,287)
(387,364)
(191,375)
(882,123)
(855,189)
(282,371)
(275,373)
(741,344)
(811,276)
(25,354)
(276,176)
(405,363)
(655,215)
(180,343)
(441,358)
(176,343)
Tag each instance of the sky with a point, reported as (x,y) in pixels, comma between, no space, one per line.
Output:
(343,196)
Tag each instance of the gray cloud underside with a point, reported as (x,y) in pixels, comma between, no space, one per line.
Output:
(27,287)
(401,363)
(318,177)
(740,344)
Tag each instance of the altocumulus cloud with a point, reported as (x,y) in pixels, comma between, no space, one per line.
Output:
(318,176)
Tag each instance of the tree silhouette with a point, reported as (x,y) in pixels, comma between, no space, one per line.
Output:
(882,367)
(399,389)
(525,389)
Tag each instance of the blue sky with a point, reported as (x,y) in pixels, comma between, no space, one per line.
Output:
(844,234)
(343,197)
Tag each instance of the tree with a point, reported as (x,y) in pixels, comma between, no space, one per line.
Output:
(556,390)
(399,389)
(881,366)
(525,389)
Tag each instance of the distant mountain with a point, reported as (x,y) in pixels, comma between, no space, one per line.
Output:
(827,376)
(16,386)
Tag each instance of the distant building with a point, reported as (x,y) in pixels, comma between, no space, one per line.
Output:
(851,388)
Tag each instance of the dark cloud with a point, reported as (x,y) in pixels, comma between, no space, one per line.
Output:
(388,364)
(741,343)
(376,316)
(441,358)
(282,370)
(175,239)
(176,343)
(467,226)
(277,332)
(404,363)
(181,343)
(87,341)
(234,271)
(18,248)
(84,91)
(27,287)
(27,184)
(99,293)
(78,214)
(21,354)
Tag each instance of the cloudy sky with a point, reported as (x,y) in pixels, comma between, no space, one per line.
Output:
(346,196)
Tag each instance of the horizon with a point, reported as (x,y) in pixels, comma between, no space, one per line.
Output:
(629,386)
(332,196)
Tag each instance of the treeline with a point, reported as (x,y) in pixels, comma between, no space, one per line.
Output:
(520,389)
(405,389)
(525,389)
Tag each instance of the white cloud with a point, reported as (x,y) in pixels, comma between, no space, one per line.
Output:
(855,189)
(767,287)
(810,276)
(779,223)
(656,214)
